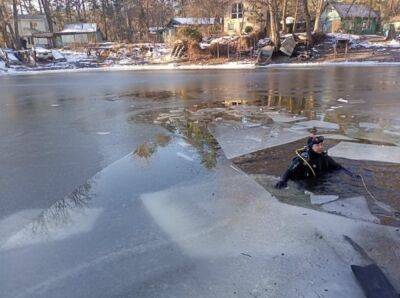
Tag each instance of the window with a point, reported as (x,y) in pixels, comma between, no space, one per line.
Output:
(237,11)
(32,25)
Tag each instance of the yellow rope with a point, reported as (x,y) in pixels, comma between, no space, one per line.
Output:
(366,188)
(305,161)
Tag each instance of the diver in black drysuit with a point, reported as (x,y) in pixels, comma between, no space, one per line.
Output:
(312,157)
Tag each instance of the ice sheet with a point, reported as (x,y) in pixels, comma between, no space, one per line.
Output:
(237,140)
(366,152)
(356,208)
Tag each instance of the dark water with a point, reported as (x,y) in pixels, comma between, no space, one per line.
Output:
(58,130)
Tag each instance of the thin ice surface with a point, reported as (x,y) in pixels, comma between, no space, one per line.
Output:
(239,140)
(194,233)
(366,152)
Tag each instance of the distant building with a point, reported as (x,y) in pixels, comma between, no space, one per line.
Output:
(205,26)
(79,34)
(349,18)
(28,25)
(244,17)
(395,21)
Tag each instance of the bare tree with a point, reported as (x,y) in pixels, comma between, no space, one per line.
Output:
(308,23)
(17,40)
(317,23)
(284,10)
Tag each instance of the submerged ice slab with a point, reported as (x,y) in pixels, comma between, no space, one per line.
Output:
(316,123)
(284,118)
(366,152)
(238,140)
(338,137)
(322,199)
(356,208)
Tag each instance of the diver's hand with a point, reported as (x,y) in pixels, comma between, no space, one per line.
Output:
(351,174)
(280,184)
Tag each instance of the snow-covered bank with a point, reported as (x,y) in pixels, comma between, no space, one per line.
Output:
(174,66)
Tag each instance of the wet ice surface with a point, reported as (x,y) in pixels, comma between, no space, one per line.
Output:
(175,218)
(197,232)
(366,152)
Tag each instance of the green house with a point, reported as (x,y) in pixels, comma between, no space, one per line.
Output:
(349,18)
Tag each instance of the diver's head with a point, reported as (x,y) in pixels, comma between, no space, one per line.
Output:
(317,144)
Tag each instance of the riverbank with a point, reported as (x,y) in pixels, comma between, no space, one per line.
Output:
(222,66)
(362,51)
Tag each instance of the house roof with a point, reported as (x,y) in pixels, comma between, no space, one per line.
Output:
(354,11)
(79,28)
(192,21)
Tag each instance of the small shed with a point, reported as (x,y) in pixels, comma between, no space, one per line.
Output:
(30,24)
(349,18)
(43,39)
(80,34)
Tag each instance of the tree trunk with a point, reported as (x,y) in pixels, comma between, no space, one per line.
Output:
(317,24)
(17,41)
(284,8)
(47,12)
(308,24)
(273,13)
(296,13)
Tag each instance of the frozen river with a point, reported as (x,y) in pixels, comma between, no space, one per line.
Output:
(153,207)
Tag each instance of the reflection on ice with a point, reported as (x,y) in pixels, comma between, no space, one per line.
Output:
(45,229)
(16,221)
(65,218)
